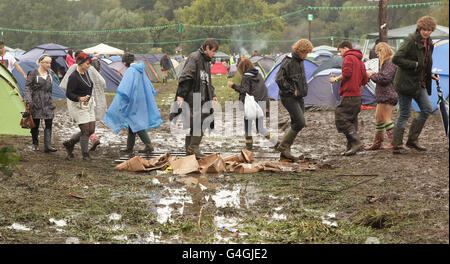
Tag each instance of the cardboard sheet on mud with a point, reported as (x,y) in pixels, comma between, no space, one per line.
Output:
(214,163)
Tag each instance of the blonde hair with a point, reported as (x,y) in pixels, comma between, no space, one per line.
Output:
(44,59)
(302,46)
(384,52)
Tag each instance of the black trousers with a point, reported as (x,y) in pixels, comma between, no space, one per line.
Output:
(296,108)
(35,130)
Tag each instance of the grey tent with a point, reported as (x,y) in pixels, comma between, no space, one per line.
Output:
(441,32)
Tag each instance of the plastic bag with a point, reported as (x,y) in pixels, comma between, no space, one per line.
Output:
(252,110)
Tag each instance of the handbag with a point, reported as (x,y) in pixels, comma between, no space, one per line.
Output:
(27,120)
(252,110)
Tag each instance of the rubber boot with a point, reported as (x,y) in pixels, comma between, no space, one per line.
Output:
(70,144)
(187,143)
(131,139)
(84,144)
(389,134)
(48,141)
(397,141)
(194,147)
(377,140)
(285,145)
(413,135)
(248,142)
(95,142)
(355,144)
(35,138)
(148,150)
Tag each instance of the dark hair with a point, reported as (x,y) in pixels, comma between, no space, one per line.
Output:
(76,53)
(245,65)
(82,58)
(211,43)
(345,44)
(128,58)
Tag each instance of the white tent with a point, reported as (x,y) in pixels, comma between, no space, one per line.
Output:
(104,49)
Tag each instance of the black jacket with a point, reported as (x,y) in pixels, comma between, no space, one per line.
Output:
(253,84)
(165,63)
(292,76)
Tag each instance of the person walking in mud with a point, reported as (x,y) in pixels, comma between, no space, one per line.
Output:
(81,106)
(194,85)
(38,98)
(252,84)
(291,80)
(413,81)
(98,92)
(134,106)
(385,94)
(166,65)
(353,79)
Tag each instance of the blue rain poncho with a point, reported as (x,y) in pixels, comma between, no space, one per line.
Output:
(134,105)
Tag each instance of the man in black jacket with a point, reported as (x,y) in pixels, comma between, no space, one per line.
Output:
(291,80)
(195,88)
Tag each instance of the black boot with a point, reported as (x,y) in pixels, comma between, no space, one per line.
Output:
(249,142)
(70,144)
(35,137)
(187,143)
(397,141)
(48,141)
(413,135)
(147,150)
(86,156)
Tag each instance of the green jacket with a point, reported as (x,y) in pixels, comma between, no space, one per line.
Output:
(408,77)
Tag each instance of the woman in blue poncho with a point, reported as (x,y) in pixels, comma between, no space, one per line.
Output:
(134,106)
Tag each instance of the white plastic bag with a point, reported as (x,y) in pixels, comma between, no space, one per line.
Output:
(252,110)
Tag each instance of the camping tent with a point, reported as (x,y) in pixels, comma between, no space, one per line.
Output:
(220,56)
(57,92)
(325,95)
(12,105)
(440,32)
(272,86)
(112,77)
(440,67)
(104,49)
(265,64)
(218,68)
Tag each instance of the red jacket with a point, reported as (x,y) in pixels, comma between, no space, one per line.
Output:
(354,73)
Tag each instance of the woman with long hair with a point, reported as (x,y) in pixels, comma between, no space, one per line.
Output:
(385,95)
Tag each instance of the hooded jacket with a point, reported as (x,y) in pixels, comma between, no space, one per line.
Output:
(408,78)
(354,73)
(253,84)
(291,77)
(134,105)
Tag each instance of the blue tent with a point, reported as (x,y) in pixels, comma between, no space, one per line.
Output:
(53,50)
(112,78)
(272,86)
(153,58)
(440,67)
(323,93)
(57,92)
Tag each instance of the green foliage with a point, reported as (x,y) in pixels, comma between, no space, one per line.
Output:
(276,34)
(8,158)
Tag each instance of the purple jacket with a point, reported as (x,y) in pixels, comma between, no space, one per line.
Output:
(384,91)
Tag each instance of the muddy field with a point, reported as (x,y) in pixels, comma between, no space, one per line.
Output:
(372,197)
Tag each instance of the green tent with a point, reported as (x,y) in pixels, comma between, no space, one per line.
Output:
(12,105)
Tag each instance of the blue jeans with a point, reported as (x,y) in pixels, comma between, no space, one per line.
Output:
(422,100)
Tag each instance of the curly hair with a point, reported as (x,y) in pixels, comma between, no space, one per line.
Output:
(385,52)
(302,46)
(427,23)
(245,65)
